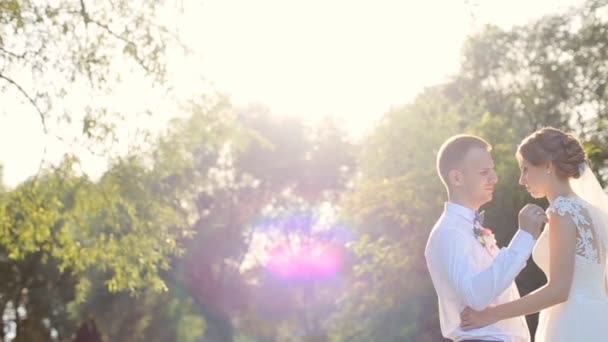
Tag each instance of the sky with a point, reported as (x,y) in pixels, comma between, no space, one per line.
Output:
(352,60)
(349,59)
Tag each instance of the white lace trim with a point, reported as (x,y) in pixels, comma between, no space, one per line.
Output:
(584,240)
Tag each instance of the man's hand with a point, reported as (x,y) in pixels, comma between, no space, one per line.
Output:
(471,319)
(532,218)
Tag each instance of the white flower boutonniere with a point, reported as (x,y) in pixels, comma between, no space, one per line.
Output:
(485,237)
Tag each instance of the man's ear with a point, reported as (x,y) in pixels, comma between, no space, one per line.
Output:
(455,177)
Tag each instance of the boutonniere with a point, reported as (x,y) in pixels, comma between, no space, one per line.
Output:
(485,237)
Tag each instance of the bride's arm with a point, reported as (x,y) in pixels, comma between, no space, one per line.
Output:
(562,250)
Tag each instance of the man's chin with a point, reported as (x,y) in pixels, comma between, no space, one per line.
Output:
(487,199)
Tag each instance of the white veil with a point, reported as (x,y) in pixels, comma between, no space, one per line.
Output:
(589,189)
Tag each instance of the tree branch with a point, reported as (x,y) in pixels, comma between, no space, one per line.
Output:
(30,99)
(87,19)
(21,56)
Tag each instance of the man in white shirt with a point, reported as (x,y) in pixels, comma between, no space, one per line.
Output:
(466,267)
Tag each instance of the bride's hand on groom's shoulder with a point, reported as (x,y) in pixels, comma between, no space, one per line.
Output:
(471,319)
(532,218)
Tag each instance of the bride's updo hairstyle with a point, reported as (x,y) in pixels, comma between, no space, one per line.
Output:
(552,145)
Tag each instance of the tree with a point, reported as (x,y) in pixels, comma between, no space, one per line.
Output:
(550,72)
(218,172)
(393,205)
(77,52)
(268,164)
(117,235)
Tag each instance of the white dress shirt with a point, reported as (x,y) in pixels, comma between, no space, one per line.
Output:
(465,273)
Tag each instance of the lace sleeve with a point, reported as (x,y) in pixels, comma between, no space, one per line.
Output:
(573,208)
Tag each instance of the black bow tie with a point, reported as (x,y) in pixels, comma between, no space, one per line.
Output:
(479,217)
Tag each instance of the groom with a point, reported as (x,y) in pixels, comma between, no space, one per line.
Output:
(466,267)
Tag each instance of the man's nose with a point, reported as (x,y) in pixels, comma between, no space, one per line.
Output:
(494,178)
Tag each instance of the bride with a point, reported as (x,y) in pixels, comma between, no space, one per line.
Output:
(571,251)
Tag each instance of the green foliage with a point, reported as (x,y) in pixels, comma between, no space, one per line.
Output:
(163,246)
(511,83)
(394,205)
(78,52)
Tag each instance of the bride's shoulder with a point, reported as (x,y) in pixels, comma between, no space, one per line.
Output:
(564,204)
(569,206)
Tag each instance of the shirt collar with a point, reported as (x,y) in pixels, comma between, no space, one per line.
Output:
(460,210)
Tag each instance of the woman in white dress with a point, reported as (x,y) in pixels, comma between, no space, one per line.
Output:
(571,251)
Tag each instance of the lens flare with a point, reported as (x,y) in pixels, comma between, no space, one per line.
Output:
(300,246)
(306,261)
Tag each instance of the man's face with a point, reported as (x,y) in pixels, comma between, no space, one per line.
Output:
(477,176)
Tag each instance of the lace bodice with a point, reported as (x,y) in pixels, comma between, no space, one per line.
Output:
(576,209)
(588,278)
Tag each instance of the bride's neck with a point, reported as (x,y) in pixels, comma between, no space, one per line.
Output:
(560,188)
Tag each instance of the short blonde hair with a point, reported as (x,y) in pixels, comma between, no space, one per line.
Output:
(453,150)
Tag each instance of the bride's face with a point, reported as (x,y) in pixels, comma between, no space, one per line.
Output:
(534,178)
